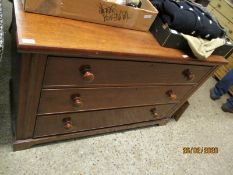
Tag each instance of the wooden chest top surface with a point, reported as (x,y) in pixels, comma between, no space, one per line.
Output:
(47,34)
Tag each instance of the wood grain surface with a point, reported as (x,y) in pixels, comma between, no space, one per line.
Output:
(61,101)
(40,33)
(118,73)
(56,124)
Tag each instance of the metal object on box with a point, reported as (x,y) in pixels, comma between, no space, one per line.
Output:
(173,39)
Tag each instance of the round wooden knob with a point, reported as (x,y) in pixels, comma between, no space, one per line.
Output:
(77,101)
(67,123)
(189,75)
(171,95)
(154,112)
(88,76)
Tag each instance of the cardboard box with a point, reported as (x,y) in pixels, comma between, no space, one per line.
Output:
(173,39)
(97,11)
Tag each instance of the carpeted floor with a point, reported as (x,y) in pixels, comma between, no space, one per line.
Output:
(149,151)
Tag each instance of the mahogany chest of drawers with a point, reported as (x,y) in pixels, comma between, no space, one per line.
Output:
(72,79)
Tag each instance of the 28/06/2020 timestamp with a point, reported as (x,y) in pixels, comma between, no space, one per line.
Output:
(200,150)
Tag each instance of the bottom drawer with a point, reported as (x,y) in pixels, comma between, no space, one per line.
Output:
(76,122)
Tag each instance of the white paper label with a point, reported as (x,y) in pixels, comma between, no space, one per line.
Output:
(185,56)
(28,41)
(174,31)
(147,16)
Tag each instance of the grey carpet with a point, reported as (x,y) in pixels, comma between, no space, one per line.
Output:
(1,32)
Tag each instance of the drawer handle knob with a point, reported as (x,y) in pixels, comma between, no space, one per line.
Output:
(87,74)
(77,101)
(172,95)
(155,112)
(189,75)
(67,123)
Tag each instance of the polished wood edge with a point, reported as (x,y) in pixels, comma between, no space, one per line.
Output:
(28,143)
(119,86)
(109,108)
(56,87)
(30,83)
(118,55)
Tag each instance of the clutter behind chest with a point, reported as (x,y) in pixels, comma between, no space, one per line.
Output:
(189,26)
(170,38)
(179,24)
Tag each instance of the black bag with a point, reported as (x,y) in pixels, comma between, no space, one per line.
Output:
(189,18)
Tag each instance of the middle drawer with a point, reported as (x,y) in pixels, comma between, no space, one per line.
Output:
(86,99)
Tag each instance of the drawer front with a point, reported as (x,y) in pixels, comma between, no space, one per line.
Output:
(83,121)
(84,99)
(77,72)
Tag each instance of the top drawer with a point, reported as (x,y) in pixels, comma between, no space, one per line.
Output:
(78,72)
